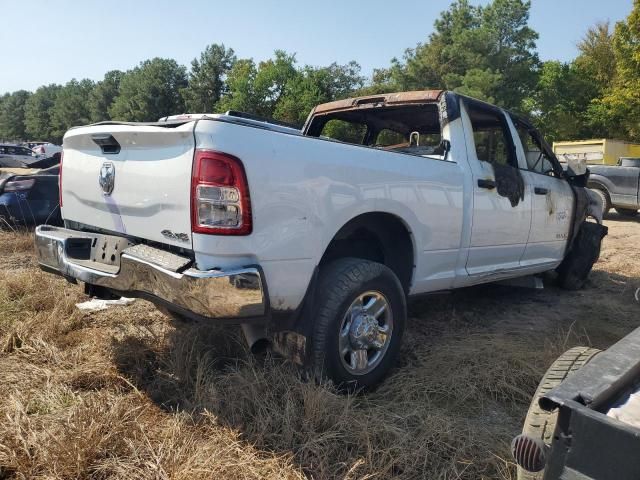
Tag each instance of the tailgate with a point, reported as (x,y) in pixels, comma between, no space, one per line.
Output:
(142,190)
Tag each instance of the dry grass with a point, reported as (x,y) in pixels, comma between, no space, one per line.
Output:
(126,394)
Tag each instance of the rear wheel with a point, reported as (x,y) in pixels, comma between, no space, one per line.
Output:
(539,423)
(359,322)
(604,199)
(627,212)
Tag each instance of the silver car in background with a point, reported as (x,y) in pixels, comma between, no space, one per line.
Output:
(16,156)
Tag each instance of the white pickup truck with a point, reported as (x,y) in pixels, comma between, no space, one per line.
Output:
(315,239)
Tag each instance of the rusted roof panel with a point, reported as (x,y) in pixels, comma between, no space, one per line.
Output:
(419,96)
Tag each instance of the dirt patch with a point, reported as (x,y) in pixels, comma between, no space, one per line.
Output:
(126,393)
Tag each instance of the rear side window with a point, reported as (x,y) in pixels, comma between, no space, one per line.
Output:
(491,136)
(343,131)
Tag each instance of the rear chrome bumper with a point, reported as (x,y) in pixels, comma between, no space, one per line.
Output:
(233,294)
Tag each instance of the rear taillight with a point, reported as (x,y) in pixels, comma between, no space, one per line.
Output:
(19,185)
(220,203)
(60,180)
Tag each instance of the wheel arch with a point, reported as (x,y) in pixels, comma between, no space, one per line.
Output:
(377,236)
(601,183)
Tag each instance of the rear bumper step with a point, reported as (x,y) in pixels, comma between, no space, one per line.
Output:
(145,271)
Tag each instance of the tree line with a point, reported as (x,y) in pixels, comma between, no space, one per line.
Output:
(488,52)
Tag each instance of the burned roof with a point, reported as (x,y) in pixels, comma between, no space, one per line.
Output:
(398,98)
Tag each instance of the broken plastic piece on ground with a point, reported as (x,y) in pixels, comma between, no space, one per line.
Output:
(96,304)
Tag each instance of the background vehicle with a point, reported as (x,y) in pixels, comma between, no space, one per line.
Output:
(618,186)
(29,197)
(584,420)
(47,149)
(12,156)
(317,238)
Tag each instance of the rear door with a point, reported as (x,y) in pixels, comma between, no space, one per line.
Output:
(501,204)
(131,179)
(552,200)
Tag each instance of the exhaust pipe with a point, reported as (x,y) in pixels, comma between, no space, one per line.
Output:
(256,336)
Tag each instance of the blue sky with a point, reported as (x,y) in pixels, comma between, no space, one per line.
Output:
(53,41)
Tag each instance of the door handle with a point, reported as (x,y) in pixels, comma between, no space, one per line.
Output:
(540,190)
(487,183)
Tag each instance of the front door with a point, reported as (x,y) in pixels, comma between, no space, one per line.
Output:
(501,204)
(552,200)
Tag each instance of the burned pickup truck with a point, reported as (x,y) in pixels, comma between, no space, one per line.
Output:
(315,239)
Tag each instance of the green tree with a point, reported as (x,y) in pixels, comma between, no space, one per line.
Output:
(317,85)
(488,52)
(12,115)
(240,88)
(38,109)
(597,56)
(71,106)
(150,91)
(207,78)
(103,94)
(619,108)
(561,100)
(259,89)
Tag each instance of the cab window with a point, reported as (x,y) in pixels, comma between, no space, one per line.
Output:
(491,135)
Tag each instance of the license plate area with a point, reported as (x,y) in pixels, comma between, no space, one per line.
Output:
(97,251)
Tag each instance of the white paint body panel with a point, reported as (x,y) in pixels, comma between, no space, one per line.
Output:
(303,190)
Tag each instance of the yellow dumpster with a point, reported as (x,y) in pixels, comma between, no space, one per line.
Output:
(602,151)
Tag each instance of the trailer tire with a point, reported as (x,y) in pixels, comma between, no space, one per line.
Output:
(539,423)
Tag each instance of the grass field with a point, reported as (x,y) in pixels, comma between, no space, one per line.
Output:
(125,393)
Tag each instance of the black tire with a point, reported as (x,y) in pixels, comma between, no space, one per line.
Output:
(627,212)
(585,251)
(539,423)
(604,199)
(340,283)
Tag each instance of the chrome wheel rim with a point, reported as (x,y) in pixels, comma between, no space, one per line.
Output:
(365,333)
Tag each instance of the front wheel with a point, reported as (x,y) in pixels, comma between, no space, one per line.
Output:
(359,322)
(585,251)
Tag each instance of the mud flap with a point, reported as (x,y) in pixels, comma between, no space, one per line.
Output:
(585,251)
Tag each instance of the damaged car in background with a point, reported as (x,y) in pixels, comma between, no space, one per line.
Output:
(29,196)
(314,239)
